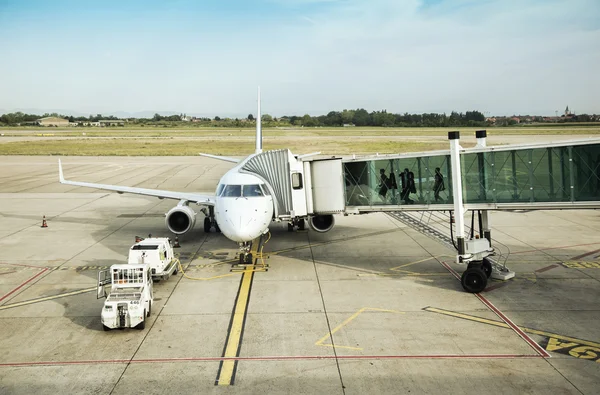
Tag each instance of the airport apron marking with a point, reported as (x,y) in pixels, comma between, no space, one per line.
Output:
(582,264)
(346,322)
(233,342)
(46,298)
(578,348)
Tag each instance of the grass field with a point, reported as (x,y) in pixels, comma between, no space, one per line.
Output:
(305,132)
(177,147)
(167,142)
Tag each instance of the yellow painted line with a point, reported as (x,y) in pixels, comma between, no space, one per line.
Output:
(415,262)
(46,298)
(234,337)
(210,278)
(346,322)
(503,325)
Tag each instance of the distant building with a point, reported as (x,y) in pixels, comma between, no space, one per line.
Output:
(52,121)
(111,122)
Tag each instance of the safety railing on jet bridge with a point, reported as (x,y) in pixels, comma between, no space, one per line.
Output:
(561,172)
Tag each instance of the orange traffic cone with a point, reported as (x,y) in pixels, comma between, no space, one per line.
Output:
(44,224)
(176,243)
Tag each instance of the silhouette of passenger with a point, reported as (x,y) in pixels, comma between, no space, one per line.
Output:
(406,186)
(411,186)
(383,184)
(438,184)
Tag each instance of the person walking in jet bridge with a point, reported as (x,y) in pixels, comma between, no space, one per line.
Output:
(411,186)
(406,186)
(438,184)
(383,184)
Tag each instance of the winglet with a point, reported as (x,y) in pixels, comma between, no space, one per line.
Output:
(61,177)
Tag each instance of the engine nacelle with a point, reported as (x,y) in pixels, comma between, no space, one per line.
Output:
(322,223)
(180,219)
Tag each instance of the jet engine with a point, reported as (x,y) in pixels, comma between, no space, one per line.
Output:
(322,223)
(180,219)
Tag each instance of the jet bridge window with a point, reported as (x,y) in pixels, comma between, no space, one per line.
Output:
(232,191)
(297,180)
(252,190)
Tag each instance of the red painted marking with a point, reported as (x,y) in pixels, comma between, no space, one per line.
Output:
(514,327)
(504,318)
(272,358)
(23,284)
(20,264)
(584,255)
(555,248)
(495,286)
(545,269)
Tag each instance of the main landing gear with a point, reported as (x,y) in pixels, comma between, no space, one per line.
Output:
(245,254)
(474,279)
(298,222)
(210,221)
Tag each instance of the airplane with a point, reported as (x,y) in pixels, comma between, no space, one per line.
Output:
(242,207)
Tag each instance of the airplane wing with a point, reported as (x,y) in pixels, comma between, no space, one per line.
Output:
(207,200)
(225,158)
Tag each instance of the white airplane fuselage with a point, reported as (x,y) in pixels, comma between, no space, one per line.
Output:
(243,206)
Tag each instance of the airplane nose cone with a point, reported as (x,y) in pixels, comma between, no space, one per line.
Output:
(241,228)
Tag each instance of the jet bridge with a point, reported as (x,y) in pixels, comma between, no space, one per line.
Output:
(561,175)
(557,175)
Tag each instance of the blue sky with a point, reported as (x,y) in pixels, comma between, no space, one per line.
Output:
(309,56)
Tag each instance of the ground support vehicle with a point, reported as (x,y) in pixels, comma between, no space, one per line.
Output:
(156,252)
(129,301)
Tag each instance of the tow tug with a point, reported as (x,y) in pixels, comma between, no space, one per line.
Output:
(158,253)
(129,301)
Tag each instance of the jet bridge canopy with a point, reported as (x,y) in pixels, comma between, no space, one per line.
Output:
(556,175)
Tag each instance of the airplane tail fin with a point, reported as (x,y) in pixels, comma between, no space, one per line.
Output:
(258,127)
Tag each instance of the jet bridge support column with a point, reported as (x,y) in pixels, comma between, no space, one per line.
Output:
(459,209)
(475,251)
(481,137)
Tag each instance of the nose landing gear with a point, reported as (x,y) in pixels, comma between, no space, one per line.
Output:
(245,254)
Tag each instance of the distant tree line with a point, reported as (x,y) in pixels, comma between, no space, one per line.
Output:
(358,117)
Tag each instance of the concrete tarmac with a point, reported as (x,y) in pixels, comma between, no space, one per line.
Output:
(368,307)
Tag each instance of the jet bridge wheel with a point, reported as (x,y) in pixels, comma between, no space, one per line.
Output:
(474,279)
(486,265)
(301,224)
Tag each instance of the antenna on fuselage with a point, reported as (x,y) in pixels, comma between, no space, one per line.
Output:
(258,127)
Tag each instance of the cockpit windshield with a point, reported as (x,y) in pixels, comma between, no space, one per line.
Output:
(232,191)
(252,190)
